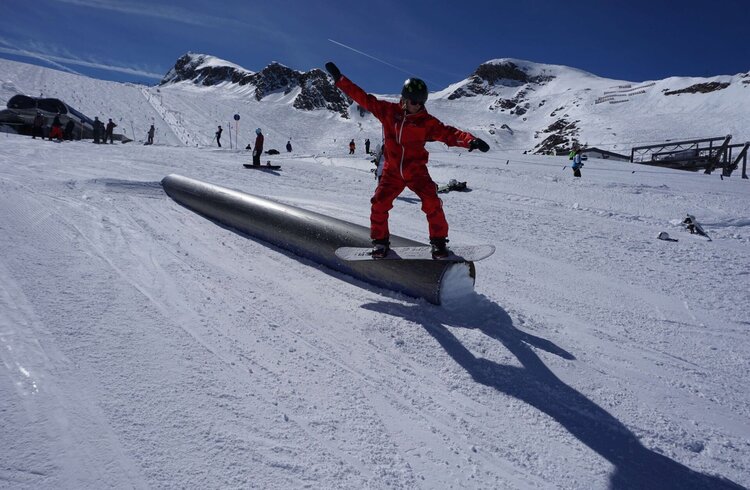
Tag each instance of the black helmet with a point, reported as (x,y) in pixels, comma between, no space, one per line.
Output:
(415,90)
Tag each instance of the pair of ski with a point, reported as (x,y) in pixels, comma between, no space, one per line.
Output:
(460,253)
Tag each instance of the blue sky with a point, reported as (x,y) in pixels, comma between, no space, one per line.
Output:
(378,43)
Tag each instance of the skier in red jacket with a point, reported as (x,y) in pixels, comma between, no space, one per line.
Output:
(407,127)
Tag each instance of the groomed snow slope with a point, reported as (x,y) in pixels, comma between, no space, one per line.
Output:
(145,346)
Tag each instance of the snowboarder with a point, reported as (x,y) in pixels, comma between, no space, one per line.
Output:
(352,147)
(150,140)
(407,126)
(258,151)
(108,135)
(575,155)
(289,146)
(367,146)
(218,136)
(38,128)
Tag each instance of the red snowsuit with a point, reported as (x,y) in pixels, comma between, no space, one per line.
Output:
(405,159)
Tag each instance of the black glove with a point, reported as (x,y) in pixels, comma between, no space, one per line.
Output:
(478,144)
(333,70)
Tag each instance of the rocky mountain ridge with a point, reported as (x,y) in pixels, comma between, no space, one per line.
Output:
(315,88)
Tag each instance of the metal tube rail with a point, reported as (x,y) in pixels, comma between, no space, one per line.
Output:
(312,235)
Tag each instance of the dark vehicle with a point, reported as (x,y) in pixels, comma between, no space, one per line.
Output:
(22,109)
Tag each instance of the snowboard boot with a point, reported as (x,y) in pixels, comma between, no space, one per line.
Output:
(380,248)
(439,248)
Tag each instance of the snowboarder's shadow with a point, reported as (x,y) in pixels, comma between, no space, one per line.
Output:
(534,383)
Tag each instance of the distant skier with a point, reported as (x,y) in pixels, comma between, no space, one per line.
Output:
(218,136)
(407,127)
(575,155)
(367,146)
(289,146)
(109,132)
(352,147)
(151,131)
(258,151)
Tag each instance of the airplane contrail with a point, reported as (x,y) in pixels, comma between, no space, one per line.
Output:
(372,57)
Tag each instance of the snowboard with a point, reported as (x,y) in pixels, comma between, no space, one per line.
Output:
(459,253)
(262,167)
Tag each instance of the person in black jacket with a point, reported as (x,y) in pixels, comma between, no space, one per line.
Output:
(108,135)
(38,128)
(98,126)
(218,136)
(258,146)
(68,131)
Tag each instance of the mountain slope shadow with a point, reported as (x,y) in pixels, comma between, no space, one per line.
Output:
(534,383)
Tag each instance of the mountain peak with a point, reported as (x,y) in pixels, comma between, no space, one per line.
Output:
(203,69)
(315,88)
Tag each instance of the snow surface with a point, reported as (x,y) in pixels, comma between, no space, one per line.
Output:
(144,346)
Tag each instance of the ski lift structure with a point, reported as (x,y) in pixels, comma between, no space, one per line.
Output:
(705,154)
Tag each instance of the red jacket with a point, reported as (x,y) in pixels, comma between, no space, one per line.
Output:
(404,134)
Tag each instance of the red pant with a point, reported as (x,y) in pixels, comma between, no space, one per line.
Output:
(391,185)
(56,132)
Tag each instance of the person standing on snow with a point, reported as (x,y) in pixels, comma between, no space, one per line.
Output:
(109,132)
(407,127)
(56,131)
(352,147)
(378,162)
(575,155)
(97,127)
(258,151)
(69,128)
(38,128)
(367,146)
(218,136)
(151,131)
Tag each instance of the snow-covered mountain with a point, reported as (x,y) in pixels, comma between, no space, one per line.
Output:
(513,104)
(145,346)
(559,105)
(313,89)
